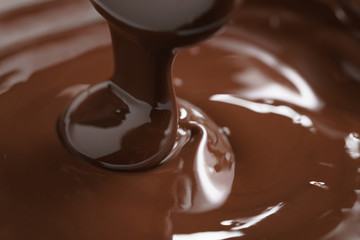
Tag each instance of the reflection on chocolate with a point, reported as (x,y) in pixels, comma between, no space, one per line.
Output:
(131,122)
(283,84)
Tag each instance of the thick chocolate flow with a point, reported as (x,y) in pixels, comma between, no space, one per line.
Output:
(131,121)
(170,23)
(282,82)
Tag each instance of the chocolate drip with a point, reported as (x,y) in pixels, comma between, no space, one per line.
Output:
(131,122)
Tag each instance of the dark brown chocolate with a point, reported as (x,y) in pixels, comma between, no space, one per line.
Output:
(282,82)
(131,121)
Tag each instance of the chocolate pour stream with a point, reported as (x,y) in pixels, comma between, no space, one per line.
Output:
(131,121)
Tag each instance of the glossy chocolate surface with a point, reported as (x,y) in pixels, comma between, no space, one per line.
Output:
(282,82)
(131,122)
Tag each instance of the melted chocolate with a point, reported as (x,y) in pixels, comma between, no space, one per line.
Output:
(283,82)
(131,121)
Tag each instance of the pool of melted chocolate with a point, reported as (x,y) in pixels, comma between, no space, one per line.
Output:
(282,82)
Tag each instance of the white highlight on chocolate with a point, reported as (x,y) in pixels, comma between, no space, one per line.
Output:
(319,185)
(352,145)
(349,228)
(73,91)
(264,108)
(303,96)
(213,187)
(208,235)
(243,223)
